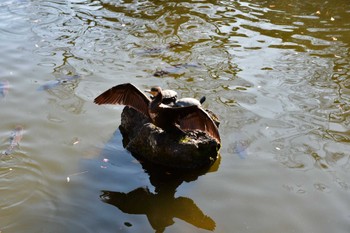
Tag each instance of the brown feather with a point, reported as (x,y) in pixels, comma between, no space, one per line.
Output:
(125,94)
(200,119)
(194,117)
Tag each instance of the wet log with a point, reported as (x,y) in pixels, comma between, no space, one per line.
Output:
(149,142)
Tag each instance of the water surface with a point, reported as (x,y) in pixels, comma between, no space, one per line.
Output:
(276,73)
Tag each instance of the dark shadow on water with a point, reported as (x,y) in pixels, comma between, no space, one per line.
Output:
(160,207)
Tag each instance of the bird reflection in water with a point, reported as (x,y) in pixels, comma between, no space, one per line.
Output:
(161,207)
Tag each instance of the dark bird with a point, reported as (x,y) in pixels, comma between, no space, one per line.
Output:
(171,119)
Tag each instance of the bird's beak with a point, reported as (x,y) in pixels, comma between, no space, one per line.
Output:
(153,93)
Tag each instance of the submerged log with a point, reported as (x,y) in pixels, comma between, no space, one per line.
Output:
(149,142)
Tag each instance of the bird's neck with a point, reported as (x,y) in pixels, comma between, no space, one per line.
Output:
(156,101)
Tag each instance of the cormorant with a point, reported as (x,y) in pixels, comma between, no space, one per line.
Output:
(170,119)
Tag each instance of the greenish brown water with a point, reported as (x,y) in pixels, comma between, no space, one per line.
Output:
(275,72)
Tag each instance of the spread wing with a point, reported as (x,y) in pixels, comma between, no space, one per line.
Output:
(125,94)
(194,117)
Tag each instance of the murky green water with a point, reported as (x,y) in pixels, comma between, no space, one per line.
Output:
(276,72)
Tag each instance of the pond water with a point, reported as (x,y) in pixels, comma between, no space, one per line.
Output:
(275,72)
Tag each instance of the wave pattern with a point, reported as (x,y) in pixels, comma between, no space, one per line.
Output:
(276,73)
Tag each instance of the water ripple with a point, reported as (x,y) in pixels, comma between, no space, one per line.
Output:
(19,172)
(276,73)
(14,19)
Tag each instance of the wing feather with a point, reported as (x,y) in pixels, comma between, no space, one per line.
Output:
(194,117)
(125,94)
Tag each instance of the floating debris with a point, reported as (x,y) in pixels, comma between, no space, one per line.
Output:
(75,141)
(64,80)
(175,69)
(125,223)
(16,137)
(158,50)
(160,73)
(4,88)
(75,174)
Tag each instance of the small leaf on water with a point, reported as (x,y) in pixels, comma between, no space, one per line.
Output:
(125,223)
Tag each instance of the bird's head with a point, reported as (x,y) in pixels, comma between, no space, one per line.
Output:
(155,91)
